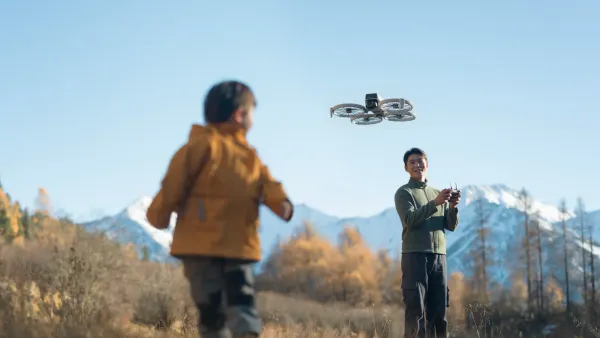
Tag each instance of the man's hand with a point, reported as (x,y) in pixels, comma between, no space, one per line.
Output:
(443,197)
(455,200)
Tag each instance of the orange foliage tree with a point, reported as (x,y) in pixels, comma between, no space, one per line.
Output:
(458,287)
(302,265)
(555,294)
(358,272)
(42,202)
(309,265)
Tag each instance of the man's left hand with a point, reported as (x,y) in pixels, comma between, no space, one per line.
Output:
(455,200)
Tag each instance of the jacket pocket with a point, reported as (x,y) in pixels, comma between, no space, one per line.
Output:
(414,302)
(205,213)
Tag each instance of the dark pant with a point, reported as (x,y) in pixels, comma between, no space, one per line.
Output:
(223,290)
(425,293)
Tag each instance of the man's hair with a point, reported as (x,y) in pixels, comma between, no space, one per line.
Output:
(224,98)
(413,151)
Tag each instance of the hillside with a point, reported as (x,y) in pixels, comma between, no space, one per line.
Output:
(498,204)
(63,280)
(58,280)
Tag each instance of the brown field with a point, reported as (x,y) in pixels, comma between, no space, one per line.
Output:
(61,281)
(65,282)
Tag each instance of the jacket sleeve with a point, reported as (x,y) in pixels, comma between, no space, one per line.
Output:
(184,164)
(273,194)
(411,216)
(451,219)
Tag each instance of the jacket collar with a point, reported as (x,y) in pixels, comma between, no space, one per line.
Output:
(417,184)
(237,132)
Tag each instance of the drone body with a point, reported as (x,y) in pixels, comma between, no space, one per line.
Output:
(375,110)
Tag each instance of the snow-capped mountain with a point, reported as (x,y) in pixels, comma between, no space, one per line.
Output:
(498,203)
(131,226)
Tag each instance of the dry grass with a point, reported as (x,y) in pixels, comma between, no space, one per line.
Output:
(69,283)
(330,320)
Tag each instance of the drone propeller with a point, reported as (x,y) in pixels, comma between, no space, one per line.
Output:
(347,110)
(402,117)
(396,106)
(366,119)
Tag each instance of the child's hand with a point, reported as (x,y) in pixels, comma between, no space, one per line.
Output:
(288,208)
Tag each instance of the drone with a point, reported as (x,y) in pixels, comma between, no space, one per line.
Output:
(375,110)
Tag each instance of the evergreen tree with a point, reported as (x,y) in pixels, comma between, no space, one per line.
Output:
(563,211)
(145,254)
(26,224)
(581,216)
(525,200)
(5,228)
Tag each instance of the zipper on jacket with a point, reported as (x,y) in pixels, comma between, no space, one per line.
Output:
(435,243)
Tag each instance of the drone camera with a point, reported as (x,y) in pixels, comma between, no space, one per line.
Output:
(372,101)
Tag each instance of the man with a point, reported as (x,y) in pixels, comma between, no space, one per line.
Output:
(215,183)
(426,213)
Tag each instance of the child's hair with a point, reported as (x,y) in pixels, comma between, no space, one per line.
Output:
(224,98)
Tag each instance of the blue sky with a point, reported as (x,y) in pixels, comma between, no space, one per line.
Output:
(96,96)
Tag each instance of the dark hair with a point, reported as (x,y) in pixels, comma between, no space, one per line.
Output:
(413,151)
(224,98)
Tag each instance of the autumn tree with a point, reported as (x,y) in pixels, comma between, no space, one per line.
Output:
(302,265)
(480,253)
(385,263)
(9,219)
(145,253)
(537,232)
(357,270)
(458,287)
(563,213)
(42,202)
(515,300)
(555,295)
(581,215)
(269,268)
(525,200)
(5,228)
(26,224)
(592,274)
(392,286)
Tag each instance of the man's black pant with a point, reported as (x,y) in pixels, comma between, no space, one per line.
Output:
(425,293)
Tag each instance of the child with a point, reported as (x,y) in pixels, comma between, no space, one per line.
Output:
(215,183)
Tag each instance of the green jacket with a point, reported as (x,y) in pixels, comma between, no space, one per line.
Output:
(423,224)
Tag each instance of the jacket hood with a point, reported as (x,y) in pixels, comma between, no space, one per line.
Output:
(238,132)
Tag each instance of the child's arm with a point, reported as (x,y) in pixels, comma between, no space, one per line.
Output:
(274,196)
(183,165)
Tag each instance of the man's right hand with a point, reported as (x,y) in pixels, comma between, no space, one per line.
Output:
(443,197)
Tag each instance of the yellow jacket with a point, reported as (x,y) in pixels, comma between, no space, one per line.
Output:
(215,183)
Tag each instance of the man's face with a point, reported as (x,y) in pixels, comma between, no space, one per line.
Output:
(416,167)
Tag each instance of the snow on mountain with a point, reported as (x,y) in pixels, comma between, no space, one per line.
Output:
(131,226)
(499,204)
